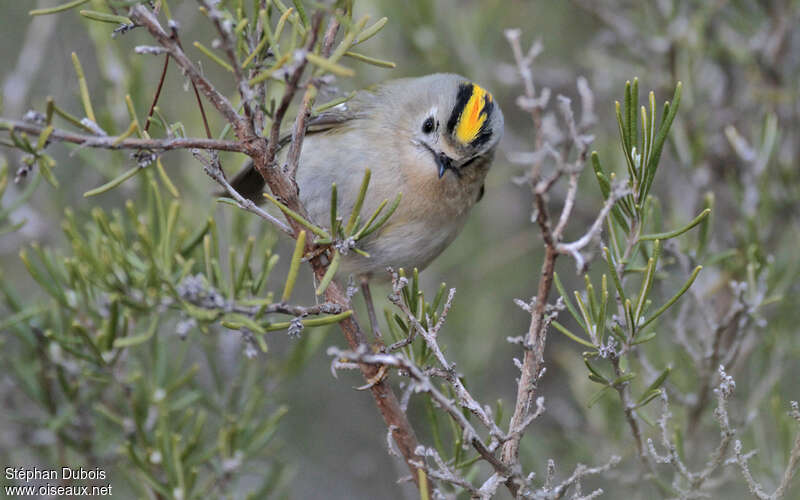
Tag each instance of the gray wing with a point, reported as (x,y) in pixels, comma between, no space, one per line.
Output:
(249,183)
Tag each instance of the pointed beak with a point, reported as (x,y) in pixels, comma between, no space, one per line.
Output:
(444,163)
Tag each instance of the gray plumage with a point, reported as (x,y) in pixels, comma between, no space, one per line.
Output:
(384,129)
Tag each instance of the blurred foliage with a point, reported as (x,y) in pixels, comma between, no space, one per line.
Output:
(99,355)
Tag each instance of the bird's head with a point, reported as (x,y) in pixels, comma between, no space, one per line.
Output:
(457,122)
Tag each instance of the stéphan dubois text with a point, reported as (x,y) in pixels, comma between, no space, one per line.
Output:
(34,473)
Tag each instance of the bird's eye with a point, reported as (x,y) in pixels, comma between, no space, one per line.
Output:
(427,125)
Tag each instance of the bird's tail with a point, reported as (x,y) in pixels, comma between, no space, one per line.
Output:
(248,183)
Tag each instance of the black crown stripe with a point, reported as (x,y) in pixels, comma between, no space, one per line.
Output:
(462,98)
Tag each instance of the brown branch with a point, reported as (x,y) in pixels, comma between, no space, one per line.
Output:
(304,113)
(210,299)
(628,408)
(292,84)
(174,28)
(109,142)
(536,337)
(157,94)
(330,36)
(259,115)
(533,361)
(299,130)
(535,340)
(389,406)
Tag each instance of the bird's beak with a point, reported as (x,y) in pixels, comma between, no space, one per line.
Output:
(444,163)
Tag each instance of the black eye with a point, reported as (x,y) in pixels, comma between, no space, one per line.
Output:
(427,126)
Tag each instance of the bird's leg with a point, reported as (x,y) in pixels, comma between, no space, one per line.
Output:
(373,320)
(378,346)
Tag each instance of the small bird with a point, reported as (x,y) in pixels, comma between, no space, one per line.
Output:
(433,138)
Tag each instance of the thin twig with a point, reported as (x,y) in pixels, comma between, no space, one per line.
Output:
(157,94)
(424,384)
(141,16)
(292,84)
(465,399)
(109,142)
(573,248)
(532,366)
(214,170)
(304,113)
(229,45)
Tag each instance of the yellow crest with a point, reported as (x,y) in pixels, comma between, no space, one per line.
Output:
(473,114)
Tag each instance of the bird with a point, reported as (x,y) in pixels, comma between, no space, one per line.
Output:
(432,138)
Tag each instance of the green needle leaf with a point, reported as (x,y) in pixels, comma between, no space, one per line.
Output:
(573,312)
(300,220)
(671,110)
(302,11)
(202,48)
(370,60)
(108,186)
(385,217)
(646,283)
(56,9)
(597,396)
(358,204)
(561,328)
(87,103)
(324,320)
(677,232)
(368,33)
(334,209)
(671,301)
(330,273)
(294,266)
(325,64)
(104,17)
(657,383)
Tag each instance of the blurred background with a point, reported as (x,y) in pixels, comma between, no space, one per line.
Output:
(739,63)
